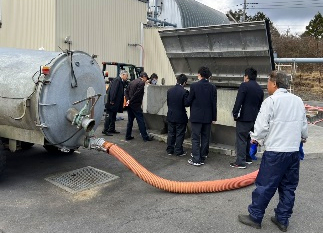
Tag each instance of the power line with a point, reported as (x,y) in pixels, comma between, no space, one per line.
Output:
(288,2)
(279,8)
(277,5)
(283,4)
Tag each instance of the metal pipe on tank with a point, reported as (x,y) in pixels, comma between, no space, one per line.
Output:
(162,22)
(298,60)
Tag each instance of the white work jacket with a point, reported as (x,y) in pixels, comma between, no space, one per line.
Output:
(281,122)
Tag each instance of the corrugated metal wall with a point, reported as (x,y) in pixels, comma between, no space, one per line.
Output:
(155,58)
(102,27)
(28,24)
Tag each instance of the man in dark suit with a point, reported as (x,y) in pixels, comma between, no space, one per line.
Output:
(202,100)
(245,111)
(134,95)
(176,116)
(115,97)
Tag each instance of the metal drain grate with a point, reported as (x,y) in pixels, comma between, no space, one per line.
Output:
(81,179)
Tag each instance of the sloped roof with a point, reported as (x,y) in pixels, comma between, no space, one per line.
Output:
(195,14)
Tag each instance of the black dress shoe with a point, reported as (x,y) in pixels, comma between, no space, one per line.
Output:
(129,138)
(281,227)
(106,133)
(113,131)
(150,138)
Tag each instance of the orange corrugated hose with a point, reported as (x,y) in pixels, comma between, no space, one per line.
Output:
(178,186)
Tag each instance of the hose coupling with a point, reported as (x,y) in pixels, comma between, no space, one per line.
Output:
(97,144)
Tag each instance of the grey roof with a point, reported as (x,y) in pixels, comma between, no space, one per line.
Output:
(195,14)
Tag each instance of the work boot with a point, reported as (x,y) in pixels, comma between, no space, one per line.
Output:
(281,227)
(246,219)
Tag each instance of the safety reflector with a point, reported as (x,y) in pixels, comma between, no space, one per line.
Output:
(45,70)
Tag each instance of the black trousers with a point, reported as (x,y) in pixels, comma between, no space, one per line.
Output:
(243,141)
(200,141)
(138,115)
(110,121)
(175,138)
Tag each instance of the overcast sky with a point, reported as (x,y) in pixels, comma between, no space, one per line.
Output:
(285,14)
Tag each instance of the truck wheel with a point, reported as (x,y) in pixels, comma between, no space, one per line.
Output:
(54,150)
(2,162)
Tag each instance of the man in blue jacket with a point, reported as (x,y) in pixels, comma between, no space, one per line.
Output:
(245,111)
(176,116)
(202,100)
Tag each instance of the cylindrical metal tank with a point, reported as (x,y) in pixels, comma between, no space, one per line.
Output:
(34,105)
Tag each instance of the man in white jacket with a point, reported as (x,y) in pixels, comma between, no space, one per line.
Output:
(281,125)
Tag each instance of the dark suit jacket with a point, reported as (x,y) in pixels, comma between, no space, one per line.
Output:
(248,101)
(135,93)
(115,94)
(176,98)
(203,100)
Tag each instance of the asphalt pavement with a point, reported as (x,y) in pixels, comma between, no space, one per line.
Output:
(30,204)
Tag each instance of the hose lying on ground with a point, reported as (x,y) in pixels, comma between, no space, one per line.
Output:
(178,186)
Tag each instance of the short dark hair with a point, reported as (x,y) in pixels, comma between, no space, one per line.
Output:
(280,78)
(144,74)
(251,72)
(181,79)
(153,75)
(204,72)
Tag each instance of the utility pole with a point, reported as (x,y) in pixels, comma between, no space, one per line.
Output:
(244,10)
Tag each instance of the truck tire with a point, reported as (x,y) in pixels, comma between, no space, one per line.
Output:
(2,162)
(54,150)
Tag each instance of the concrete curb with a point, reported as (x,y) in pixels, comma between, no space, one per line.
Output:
(187,144)
(230,151)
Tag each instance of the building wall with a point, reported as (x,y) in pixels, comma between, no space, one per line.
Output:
(28,24)
(155,58)
(102,27)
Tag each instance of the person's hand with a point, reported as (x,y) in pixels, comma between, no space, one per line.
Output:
(303,140)
(213,122)
(253,141)
(112,103)
(127,103)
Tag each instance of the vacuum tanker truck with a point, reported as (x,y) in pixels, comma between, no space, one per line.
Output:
(54,99)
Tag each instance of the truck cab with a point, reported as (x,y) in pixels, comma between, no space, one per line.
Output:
(134,71)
